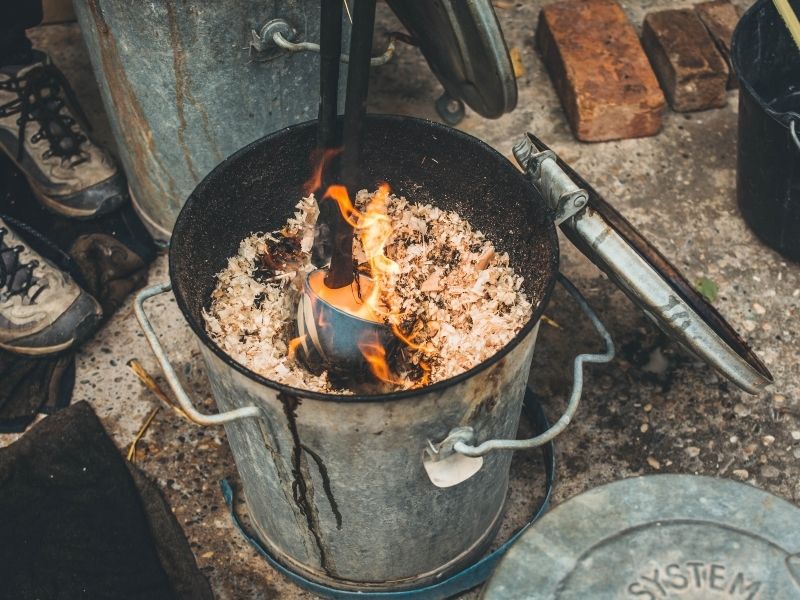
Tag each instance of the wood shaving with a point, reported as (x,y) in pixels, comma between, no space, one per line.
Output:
(455,296)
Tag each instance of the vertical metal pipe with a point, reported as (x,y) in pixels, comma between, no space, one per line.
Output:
(330,41)
(355,107)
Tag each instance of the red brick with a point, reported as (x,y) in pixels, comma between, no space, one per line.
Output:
(720,18)
(607,87)
(691,70)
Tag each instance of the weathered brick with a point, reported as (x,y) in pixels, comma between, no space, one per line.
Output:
(691,70)
(607,87)
(720,18)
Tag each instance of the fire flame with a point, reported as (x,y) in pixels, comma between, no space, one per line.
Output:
(338,193)
(320,159)
(364,297)
(375,355)
(294,344)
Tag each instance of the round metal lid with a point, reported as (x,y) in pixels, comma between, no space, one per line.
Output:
(658,536)
(465,48)
(640,270)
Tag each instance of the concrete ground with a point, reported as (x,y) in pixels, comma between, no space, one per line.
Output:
(652,410)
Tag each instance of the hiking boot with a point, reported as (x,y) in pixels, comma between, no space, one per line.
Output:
(42,129)
(42,310)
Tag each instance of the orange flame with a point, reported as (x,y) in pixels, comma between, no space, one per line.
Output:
(426,374)
(338,193)
(409,341)
(294,344)
(375,355)
(320,159)
(364,298)
(346,298)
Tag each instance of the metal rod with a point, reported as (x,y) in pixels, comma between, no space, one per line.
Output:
(355,108)
(330,41)
(169,372)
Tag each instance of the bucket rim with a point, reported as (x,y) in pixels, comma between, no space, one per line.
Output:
(202,335)
(784,118)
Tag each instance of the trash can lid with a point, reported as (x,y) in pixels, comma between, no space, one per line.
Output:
(658,536)
(465,49)
(656,286)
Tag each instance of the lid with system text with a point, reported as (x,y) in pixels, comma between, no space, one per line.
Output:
(659,536)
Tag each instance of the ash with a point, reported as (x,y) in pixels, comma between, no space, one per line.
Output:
(455,296)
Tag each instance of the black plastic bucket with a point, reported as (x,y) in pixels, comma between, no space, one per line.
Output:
(767,62)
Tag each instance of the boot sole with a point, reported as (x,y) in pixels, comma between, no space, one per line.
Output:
(53,205)
(38,351)
(83,330)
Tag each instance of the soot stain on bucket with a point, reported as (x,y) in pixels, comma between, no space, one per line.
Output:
(326,484)
(272,443)
(302,486)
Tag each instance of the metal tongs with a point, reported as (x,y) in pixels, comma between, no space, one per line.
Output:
(332,332)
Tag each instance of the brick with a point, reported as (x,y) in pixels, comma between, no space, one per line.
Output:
(720,18)
(602,76)
(691,70)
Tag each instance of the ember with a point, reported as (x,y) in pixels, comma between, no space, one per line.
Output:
(451,300)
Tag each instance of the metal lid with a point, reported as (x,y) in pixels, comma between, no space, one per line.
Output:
(639,269)
(659,536)
(464,46)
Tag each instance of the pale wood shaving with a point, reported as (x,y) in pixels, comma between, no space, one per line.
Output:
(455,296)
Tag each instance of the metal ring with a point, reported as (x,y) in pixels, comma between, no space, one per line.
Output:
(793,132)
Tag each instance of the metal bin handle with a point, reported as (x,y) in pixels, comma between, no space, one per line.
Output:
(172,378)
(463,446)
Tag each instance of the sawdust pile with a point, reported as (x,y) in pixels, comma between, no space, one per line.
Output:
(455,296)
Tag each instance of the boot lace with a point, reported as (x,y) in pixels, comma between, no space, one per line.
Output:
(39,100)
(17,278)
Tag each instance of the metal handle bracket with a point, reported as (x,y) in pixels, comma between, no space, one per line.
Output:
(575,396)
(277,35)
(560,193)
(169,373)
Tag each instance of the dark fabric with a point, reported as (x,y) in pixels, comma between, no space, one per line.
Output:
(74,526)
(15,17)
(17,201)
(108,257)
(173,549)
(29,386)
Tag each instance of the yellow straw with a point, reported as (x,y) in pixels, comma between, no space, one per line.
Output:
(151,384)
(132,450)
(788,16)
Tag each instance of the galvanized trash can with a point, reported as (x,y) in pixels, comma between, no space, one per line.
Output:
(186,84)
(393,492)
(767,63)
(184,87)
(658,536)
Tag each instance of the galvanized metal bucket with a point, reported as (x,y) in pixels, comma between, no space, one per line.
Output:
(186,84)
(384,492)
